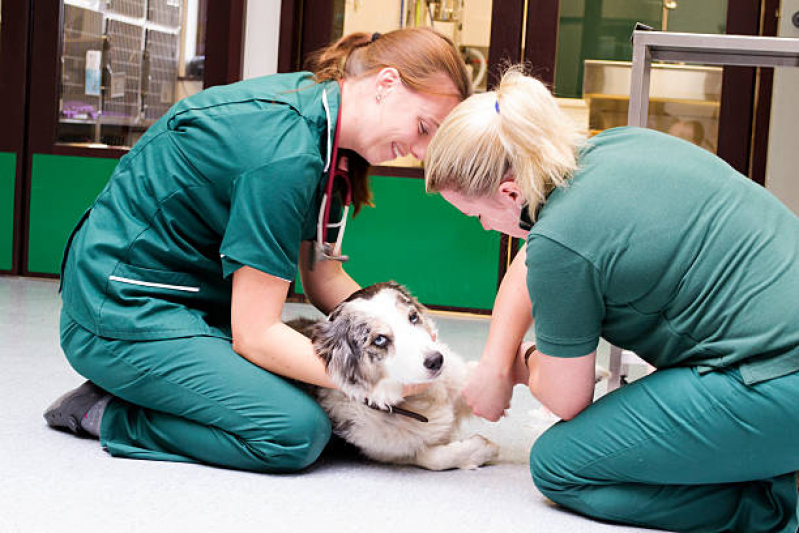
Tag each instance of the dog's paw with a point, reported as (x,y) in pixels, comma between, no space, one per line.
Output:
(478,451)
(385,394)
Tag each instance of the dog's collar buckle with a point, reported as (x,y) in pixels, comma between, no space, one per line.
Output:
(398,410)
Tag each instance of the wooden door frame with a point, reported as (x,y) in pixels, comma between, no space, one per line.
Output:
(14,38)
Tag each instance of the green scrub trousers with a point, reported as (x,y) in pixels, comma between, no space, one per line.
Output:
(194,399)
(681,451)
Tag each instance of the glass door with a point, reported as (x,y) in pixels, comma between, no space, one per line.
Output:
(102,72)
(123,64)
(593,65)
(466,22)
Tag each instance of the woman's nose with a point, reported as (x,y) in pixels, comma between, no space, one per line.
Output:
(419,148)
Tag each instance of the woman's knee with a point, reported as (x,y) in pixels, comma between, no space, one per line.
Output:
(548,465)
(300,440)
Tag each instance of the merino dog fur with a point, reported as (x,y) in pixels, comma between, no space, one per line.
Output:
(374,343)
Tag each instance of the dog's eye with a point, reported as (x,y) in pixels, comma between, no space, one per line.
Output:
(381,341)
(413,317)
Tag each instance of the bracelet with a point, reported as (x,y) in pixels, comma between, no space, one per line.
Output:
(528,353)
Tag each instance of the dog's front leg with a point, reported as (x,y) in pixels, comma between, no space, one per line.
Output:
(466,454)
(385,394)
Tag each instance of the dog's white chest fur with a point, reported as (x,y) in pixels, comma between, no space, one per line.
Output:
(373,344)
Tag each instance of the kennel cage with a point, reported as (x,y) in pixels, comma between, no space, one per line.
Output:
(119,68)
(158,82)
(80,90)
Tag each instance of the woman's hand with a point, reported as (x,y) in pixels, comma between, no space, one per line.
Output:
(488,391)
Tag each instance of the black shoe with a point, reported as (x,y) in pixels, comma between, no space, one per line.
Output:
(66,412)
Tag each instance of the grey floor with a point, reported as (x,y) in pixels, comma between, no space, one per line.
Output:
(52,482)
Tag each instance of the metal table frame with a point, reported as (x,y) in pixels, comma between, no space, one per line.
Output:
(706,49)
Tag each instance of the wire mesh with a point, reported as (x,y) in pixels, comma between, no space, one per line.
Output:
(123,58)
(125,51)
(128,8)
(83,32)
(164,12)
(161,51)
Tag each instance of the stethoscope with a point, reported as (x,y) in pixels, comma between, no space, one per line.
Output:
(322,250)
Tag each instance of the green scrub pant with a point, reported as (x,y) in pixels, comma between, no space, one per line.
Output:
(680,451)
(195,400)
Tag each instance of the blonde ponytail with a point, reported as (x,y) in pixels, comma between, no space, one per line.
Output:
(540,140)
(519,127)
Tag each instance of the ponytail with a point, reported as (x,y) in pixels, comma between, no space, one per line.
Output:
(540,140)
(517,127)
(328,64)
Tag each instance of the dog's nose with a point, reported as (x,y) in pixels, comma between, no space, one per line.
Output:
(434,361)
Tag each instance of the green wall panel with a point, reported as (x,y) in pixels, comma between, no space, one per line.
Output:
(421,241)
(62,188)
(8,172)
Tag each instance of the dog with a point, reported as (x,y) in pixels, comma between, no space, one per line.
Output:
(374,343)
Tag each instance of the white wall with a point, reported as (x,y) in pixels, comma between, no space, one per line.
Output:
(782,176)
(261,38)
(384,15)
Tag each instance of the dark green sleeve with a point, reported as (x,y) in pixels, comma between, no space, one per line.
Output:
(270,206)
(568,303)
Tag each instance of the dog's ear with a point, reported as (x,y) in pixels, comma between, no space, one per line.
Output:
(339,342)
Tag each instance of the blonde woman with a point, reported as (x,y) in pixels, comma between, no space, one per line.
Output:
(174,280)
(659,247)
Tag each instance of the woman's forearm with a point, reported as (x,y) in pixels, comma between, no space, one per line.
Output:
(511,317)
(281,350)
(259,335)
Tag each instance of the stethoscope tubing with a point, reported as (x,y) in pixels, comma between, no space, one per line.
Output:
(331,167)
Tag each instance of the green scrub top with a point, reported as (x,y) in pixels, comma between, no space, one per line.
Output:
(231,176)
(662,248)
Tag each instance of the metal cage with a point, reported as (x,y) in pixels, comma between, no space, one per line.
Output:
(127,8)
(164,12)
(122,103)
(161,69)
(83,35)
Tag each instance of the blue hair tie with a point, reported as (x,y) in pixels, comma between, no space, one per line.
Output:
(496,106)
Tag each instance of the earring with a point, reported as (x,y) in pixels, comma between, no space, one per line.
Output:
(379,97)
